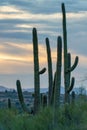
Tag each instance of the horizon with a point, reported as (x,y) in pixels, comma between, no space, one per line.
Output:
(17,19)
(79,90)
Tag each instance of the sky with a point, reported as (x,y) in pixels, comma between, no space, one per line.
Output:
(17,19)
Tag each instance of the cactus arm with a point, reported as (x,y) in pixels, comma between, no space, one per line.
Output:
(58,73)
(36,72)
(74,65)
(42,71)
(72,85)
(50,73)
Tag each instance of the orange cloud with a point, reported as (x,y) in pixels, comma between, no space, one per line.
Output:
(22,62)
(15,63)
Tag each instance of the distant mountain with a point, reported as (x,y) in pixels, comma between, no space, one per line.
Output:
(42,90)
(3,89)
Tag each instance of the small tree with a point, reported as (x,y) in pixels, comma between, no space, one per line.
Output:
(82,90)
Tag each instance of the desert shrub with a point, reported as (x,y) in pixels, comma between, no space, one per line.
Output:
(69,117)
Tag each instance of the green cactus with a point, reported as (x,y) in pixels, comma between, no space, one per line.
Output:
(66,68)
(44,100)
(42,71)
(52,99)
(50,73)
(20,96)
(54,86)
(58,73)
(71,86)
(37,73)
(57,81)
(70,81)
(73,97)
(9,103)
(41,98)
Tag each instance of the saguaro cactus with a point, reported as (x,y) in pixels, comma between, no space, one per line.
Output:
(54,86)
(9,103)
(20,96)
(44,100)
(66,68)
(36,72)
(50,73)
(53,90)
(58,73)
(70,81)
(73,97)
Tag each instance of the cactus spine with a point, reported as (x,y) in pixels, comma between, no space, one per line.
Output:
(66,68)
(50,73)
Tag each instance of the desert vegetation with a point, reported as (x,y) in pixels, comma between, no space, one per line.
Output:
(48,113)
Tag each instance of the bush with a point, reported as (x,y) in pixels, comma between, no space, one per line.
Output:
(69,117)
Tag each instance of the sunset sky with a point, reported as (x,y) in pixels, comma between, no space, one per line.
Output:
(18,17)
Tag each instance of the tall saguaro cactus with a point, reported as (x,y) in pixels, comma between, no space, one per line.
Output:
(57,80)
(58,73)
(36,72)
(50,73)
(66,68)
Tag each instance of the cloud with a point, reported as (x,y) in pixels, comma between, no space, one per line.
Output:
(18,17)
(54,6)
(29,16)
(9,9)
(19,55)
(12,12)
(19,22)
